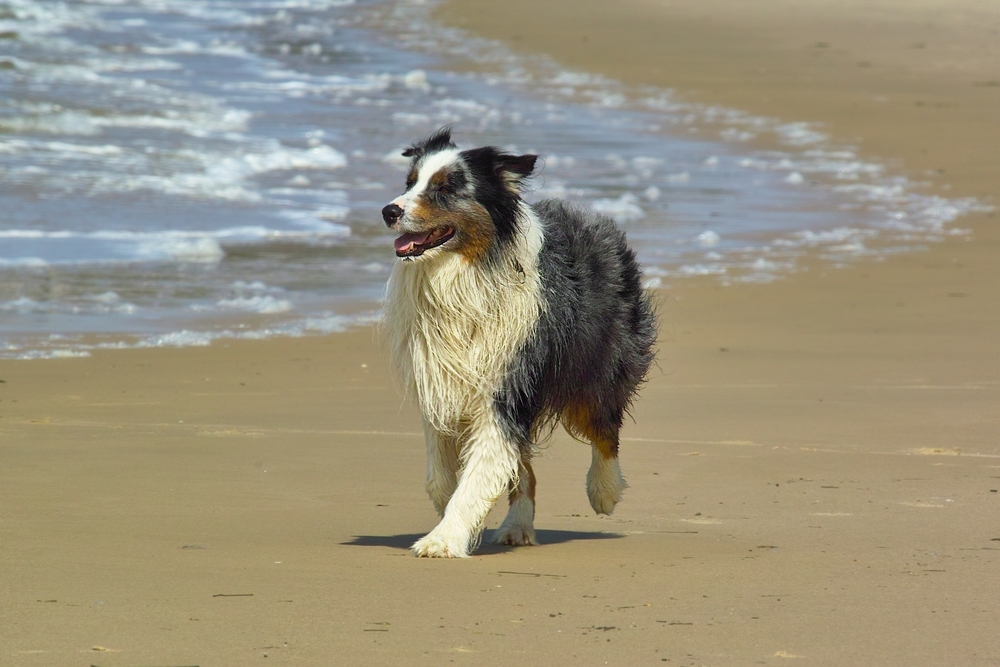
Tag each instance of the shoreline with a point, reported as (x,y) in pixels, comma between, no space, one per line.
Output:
(769,133)
(813,464)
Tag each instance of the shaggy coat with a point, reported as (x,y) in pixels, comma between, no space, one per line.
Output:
(505,319)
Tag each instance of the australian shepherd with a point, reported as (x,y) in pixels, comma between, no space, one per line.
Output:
(505,318)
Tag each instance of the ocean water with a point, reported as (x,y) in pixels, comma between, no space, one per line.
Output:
(177,171)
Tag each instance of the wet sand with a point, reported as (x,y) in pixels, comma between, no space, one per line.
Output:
(814,465)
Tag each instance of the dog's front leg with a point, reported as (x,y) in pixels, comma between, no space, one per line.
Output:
(489,464)
(442,466)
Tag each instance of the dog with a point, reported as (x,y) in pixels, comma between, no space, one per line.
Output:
(504,319)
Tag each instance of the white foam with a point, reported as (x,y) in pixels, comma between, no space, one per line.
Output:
(708,238)
(187,47)
(264,304)
(622,210)
(317,325)
(17,353)
(703,269)
(183,338)
(197,246)
(112,302)
(416,79)
(254,286)
(225,177)
(23,262)
(22,305)
(85,304)
(800,134)
(470,107)
(197,250)
(319,221)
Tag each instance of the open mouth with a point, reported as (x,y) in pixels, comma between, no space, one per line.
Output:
(414,245)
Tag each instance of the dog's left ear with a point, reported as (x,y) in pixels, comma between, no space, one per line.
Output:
(439,141)
(514,169)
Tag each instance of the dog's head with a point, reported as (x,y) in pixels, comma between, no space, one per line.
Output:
(457,201)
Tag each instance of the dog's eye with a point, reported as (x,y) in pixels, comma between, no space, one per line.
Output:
(410,182)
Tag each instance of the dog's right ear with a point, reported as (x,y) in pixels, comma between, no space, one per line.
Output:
(439,141)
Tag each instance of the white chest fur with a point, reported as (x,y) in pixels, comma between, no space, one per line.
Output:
(454,327)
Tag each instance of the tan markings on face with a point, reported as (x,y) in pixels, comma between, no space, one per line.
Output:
(477,233)
(439,178)
(579,420)
(474,231)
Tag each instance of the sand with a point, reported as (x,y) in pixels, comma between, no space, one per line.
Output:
(814,465)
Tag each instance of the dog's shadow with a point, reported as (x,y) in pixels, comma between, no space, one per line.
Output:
(487,547)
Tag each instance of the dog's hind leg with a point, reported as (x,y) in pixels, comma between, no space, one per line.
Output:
(604,479)
(442,466)
(599,427)
(489,464)
(518,527)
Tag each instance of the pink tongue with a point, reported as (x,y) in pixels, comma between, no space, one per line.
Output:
(406,241)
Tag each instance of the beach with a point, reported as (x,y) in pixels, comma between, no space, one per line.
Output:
(813,465)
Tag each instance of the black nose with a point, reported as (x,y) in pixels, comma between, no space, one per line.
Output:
(391,214)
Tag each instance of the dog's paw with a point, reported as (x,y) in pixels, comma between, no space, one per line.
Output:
(602,503)
(604,496)
(605,484)
(515,536)
(437,545)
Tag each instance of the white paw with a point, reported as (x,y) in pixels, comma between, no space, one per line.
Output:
(516,536)
(605,484)
(603,501)
(437,544)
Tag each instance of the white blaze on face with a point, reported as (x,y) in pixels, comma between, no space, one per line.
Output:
(425,172)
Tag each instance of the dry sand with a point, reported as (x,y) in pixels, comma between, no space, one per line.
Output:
(814,465)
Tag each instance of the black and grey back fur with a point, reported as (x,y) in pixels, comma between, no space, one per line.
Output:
(593,345)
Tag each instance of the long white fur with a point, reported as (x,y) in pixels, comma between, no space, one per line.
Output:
(454,328)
